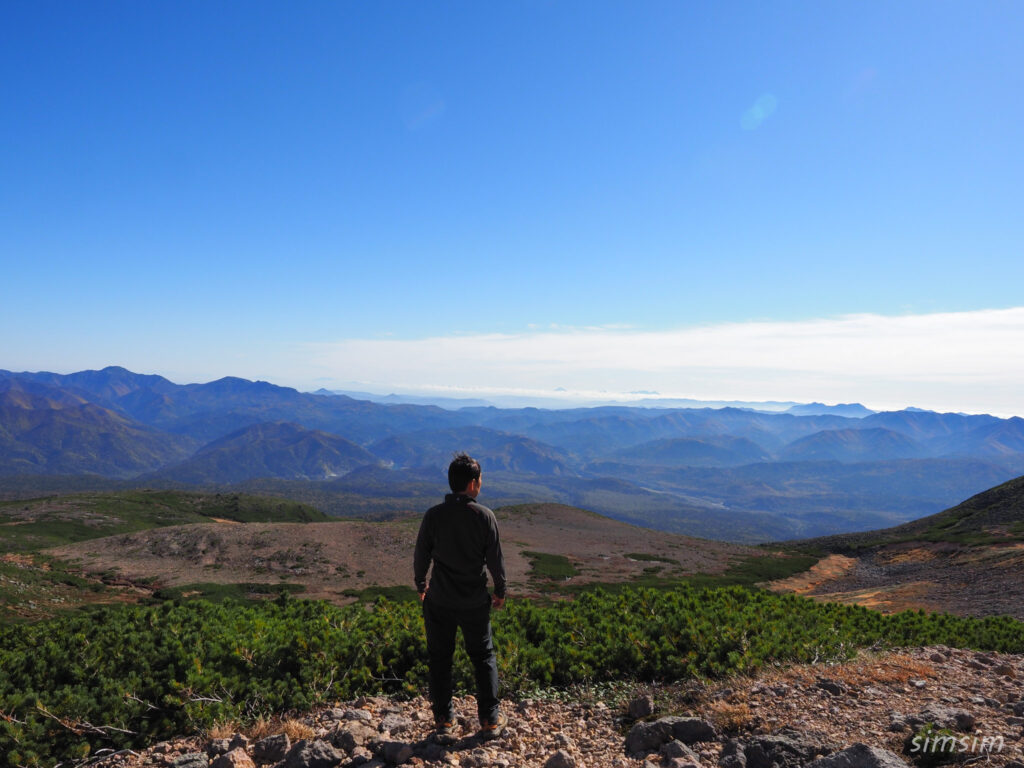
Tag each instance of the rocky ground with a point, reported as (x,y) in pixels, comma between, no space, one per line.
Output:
(859,713)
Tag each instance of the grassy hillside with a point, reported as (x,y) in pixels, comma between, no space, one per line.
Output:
(30,525)
(992,517)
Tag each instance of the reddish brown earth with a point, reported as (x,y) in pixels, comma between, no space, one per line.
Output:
(329,558)
(935,576)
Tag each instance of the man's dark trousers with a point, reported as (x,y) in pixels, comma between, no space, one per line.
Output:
(441,624)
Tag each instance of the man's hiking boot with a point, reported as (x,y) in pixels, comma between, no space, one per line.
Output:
(492,729)
(444,731)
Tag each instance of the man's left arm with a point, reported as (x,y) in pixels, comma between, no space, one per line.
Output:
(422,556)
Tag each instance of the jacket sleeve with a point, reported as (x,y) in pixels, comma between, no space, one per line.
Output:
(495,560)
(423,554)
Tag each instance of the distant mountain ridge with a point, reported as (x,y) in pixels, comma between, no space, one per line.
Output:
(849,410)
(853,445)
(270,449)
(693,470)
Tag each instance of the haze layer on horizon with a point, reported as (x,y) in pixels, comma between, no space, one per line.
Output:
(968,361)
(797,201)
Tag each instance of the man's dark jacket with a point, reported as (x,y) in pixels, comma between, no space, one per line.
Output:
(461,537)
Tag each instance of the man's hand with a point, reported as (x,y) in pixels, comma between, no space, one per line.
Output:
(497,602)
(423,594)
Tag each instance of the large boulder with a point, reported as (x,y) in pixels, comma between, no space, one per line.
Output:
(646,737)
(732,755)
(860,756)
(786,748)
(271,749)
(351,734)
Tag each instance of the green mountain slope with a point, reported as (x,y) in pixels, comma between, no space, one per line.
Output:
(49,431)
(29,525)
(990,517)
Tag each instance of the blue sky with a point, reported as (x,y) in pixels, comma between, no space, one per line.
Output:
(285,190)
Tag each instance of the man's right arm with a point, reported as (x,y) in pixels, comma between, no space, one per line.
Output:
(496,564)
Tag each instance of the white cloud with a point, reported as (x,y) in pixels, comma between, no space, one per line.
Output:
(969,361)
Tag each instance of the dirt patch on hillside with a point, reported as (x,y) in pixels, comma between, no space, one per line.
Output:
(825,570)
(970,581)
(330,558)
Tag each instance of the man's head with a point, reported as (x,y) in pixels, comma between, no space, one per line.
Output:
(463,473)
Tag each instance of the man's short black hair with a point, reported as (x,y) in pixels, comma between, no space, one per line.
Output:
(462,471)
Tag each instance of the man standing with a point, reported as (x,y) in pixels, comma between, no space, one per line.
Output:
(460,537)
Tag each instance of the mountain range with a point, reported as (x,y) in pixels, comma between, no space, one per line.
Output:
(722,472)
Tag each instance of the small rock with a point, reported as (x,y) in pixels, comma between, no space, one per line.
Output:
(191,760)
(433,752)
(937,657)
(918,683)
(395,724)
(945,717)
(236,758)
(217,747)
(396,752)
(271,749)
(676,748)
(1006,670)
(562,740)
(832,686)
(351,734)
(312,754)
(357,714)
(238,741)
(642,706)
(561,759)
